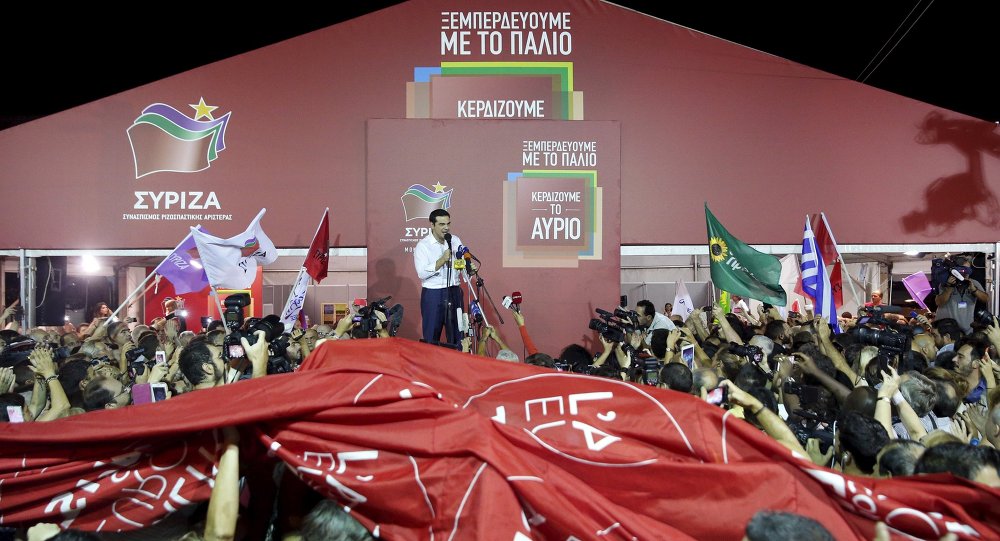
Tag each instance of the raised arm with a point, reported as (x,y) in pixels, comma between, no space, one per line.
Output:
(41,364)
(727,329)
(770,421)
(224,504)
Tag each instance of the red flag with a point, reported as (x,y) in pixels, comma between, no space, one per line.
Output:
(421,442)
(837,283)
(831,255)
(318,258)
(824,238)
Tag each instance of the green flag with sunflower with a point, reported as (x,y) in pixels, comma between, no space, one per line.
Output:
(741,270)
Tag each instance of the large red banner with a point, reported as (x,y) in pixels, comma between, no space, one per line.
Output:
(421,442)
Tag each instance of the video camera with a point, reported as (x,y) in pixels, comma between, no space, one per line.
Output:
(233,317)
(874,329)
(368,323)
(754,353)
(17,351)
(613,326)
(957,265)
(143,354)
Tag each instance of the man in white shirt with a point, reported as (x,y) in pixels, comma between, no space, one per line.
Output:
(440,294)
(651,320)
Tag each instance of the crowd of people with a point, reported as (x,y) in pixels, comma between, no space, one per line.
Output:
(889,396)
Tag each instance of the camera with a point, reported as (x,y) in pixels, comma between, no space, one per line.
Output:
(647,370)
(143,354)
(874,330)
(233,313)
(232,346)
(614,326)
(953,265)
(808,395)
(754,353)
(609,331)
(629,317)
(984,317)
(17,351)
(806,425)
(367,323)
(890,339)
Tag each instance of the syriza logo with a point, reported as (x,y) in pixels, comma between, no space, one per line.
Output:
(419,200)
(418,203)
(165,139)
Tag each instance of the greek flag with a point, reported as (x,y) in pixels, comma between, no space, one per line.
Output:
(815,280)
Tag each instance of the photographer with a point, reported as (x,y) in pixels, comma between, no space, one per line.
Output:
(622,362)
(342,330)
(650,320)
(957,297)
(204,366)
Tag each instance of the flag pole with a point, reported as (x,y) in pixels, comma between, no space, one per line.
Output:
(218,303)
(129,298)
(148,276)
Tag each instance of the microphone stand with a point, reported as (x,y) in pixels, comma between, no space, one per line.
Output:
(474,300)
(482,284)
(449,310)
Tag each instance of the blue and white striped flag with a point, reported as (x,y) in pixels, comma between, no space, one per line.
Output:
(815,280)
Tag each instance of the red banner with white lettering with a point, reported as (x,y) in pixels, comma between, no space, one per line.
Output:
(421,442)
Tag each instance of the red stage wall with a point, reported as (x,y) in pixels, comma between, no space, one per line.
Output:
(485,178)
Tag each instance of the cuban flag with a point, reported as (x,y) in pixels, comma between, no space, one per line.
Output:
(815,280)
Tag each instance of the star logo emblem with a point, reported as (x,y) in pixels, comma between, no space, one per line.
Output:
(202,110)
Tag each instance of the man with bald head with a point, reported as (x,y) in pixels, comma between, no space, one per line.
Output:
(925,343)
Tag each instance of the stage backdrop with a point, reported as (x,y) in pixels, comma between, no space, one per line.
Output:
(536,201)
(761,139)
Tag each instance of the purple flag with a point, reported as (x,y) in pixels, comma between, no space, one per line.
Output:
(918,286)
(183,267)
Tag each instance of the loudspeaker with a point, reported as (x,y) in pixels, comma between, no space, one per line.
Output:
(50,292)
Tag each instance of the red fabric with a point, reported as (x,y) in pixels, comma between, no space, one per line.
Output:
(837,283)
(824,239)
(831,255)
(317,261)
(420,441)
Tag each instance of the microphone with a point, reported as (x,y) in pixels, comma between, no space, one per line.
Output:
(516,298)
(395,318)
(957,274)
(447,238)
(477,312)
(467,254)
